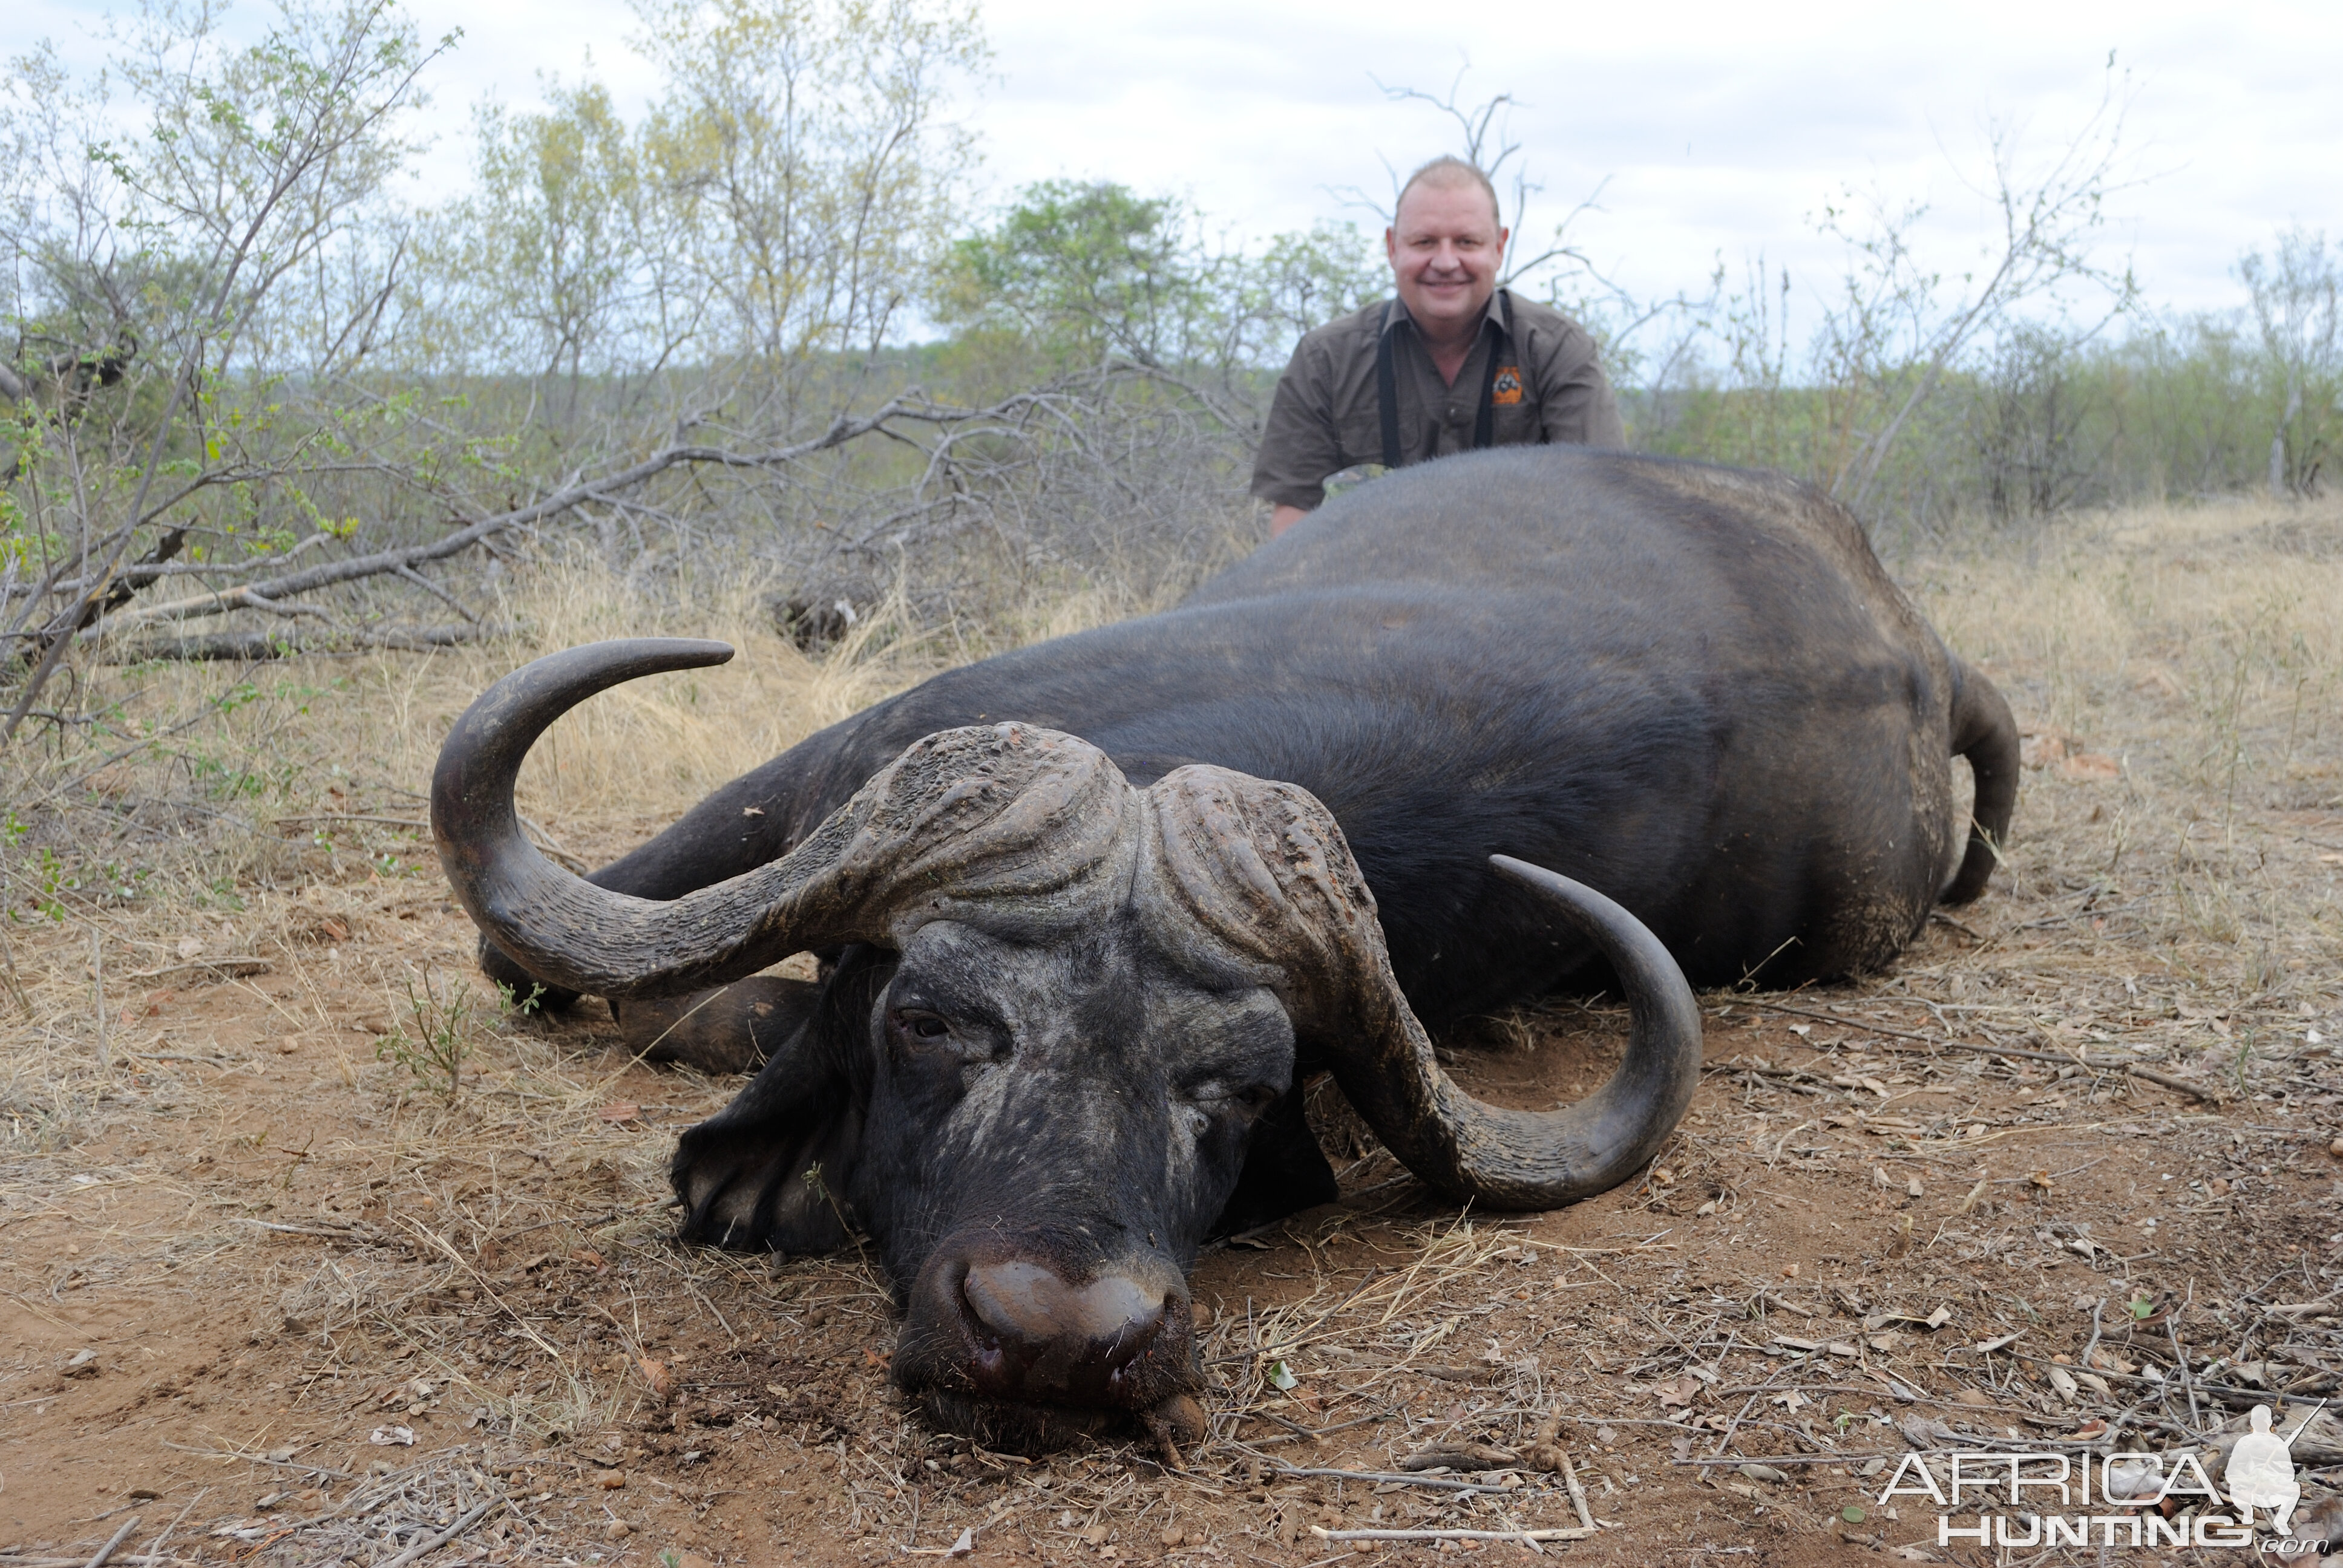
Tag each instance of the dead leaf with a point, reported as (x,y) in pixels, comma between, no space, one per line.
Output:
(655,1375)
(617,1114)
(1678,1394)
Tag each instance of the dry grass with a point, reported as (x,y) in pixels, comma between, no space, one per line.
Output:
(278,1241)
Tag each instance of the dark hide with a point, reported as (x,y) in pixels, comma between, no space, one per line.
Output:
(1692,689)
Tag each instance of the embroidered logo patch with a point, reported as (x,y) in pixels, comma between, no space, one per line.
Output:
(1507,388)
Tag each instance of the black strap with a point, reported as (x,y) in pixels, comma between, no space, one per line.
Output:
(1485,421)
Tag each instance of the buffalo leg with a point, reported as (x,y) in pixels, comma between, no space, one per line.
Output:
(734,1028)
(1285,1172)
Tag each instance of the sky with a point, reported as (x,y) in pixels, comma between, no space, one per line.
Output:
(1712,131)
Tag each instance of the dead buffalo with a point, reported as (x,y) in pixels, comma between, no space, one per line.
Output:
(1097,909)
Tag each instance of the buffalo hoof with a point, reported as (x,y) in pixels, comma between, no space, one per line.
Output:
(731,1028)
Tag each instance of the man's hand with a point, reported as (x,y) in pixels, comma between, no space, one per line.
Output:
(1284,517)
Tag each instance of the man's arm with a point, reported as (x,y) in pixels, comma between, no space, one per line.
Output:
(1298,444)
(1574,401)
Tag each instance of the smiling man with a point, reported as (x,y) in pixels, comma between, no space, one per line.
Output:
(1453,364)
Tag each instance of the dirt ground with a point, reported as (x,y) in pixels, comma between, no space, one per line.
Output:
(268,1289)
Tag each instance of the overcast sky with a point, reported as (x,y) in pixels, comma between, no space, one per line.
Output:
(1720,128)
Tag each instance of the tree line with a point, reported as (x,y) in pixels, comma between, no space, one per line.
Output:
(258,400)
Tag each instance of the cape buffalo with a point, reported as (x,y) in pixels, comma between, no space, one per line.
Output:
(1096,909)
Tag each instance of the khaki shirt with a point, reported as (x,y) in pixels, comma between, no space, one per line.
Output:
(1326,417)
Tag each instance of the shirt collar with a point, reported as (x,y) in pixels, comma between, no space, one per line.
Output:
(1491,313)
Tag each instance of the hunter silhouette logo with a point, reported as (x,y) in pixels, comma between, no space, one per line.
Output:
(2261,1471)
(2138,1492)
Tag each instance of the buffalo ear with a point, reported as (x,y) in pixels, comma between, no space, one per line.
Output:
(1284,1171)
(770,1171)
(734,1028)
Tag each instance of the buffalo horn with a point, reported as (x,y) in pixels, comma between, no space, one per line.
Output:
(1259,872)
(1528,1159)
(1010,816)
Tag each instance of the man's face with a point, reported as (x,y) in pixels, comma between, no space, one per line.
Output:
(1446,250)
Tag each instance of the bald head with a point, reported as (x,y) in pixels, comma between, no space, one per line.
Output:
(1450,174)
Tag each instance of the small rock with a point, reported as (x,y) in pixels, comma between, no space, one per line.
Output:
(611,1479)
(271,1501)
(1175,1536)
(142,1495)
(618,1530)
(82,1363)
(691,1560)
(1764,1473)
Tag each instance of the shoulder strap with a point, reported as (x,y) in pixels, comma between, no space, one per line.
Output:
(1387,389)
(1485,422)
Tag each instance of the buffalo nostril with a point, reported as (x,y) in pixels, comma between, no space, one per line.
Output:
(1103,1324)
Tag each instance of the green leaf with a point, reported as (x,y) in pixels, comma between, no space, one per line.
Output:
(1853,1514)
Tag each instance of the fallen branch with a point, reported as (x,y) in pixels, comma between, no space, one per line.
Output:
(271,593)
(259,644)
(235,968)
(105,1553)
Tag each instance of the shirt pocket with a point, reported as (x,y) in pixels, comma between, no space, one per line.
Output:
(1360,435)
(1517,424)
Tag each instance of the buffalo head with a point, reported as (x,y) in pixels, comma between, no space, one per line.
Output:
(1065,1024)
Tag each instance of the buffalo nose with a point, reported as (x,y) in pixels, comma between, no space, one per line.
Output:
(1057,1338)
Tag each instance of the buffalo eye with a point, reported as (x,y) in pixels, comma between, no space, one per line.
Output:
(922,1026)
(1250,1100)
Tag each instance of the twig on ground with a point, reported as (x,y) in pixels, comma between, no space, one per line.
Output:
(479,1511)
(1577,1494)
(105,1553)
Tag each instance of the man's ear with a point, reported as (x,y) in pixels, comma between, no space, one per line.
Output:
(770,1171)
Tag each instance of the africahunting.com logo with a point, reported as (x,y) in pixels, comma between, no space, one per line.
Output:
(2142,1499)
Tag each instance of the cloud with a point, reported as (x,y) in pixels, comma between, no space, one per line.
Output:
(1719,127)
